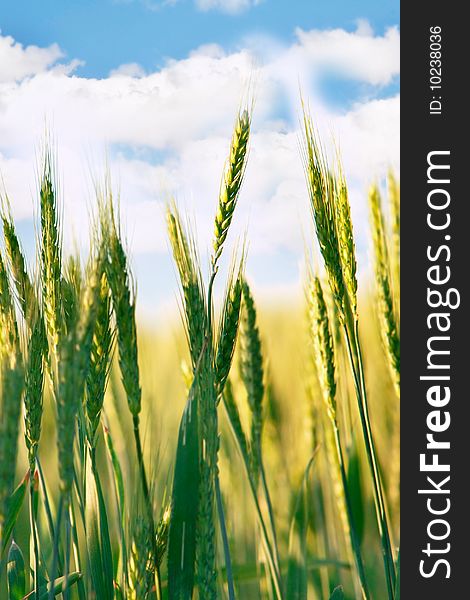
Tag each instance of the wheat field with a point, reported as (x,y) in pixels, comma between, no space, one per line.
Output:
(243,451)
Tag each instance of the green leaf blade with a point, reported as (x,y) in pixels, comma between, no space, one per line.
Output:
(16,573)
(184,505)
(297,568)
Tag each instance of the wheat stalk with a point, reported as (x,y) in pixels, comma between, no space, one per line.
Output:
(330,216)
(74,360)
(36,348)
(73,354)
(324,354)
(210,366)
(123,297)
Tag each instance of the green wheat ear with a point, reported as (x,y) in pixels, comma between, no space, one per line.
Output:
(323,346)
(34,388)
(228,329)
(124,305)
(140,563)
(193,293)
(100,360)
(394,199)
(231,182)
(72,285)
(26,293)
(51,254)
(162,534)
(383,278)
(252,372)
(345,235)
(322,188)
(11,389)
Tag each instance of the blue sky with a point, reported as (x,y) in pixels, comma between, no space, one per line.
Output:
(106,33)
(156,86)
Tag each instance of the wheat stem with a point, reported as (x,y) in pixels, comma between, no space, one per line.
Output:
(379,503)
(324,352)
(239,435)
(352,526)
(377,483)
(35,541)
(225,542)
(55,546)
(68,545)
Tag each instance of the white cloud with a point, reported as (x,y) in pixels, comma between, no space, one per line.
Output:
(227,6)
(128,70)
(355,55)
(168,132)
(359,55)
(18,62)
(184,100)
